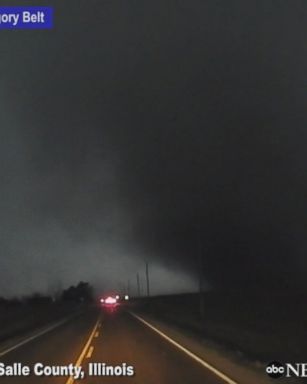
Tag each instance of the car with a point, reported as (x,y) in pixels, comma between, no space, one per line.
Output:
(109,303)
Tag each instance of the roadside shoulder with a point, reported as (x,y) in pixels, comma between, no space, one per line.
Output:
(230,363)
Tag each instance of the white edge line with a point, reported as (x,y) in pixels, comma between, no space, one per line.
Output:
(189,353)
(41,333)
(71,380)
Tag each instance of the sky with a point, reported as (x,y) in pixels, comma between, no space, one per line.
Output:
(165,132)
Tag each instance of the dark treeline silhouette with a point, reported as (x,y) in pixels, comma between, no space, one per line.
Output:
(38,300)
(81,293)
(10,302)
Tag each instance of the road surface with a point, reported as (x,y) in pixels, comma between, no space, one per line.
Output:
(113,339)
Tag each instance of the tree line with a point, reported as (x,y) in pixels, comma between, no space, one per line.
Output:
(81,293)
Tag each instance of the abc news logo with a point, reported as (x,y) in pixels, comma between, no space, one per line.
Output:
(277,370)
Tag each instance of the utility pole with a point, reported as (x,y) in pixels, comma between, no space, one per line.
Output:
(138,284)
(147,279)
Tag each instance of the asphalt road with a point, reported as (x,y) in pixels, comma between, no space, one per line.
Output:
(113,339)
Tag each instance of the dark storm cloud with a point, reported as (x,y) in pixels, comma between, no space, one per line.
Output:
(152,130)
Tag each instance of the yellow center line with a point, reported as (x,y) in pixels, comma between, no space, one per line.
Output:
(71,380)
(90,352)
